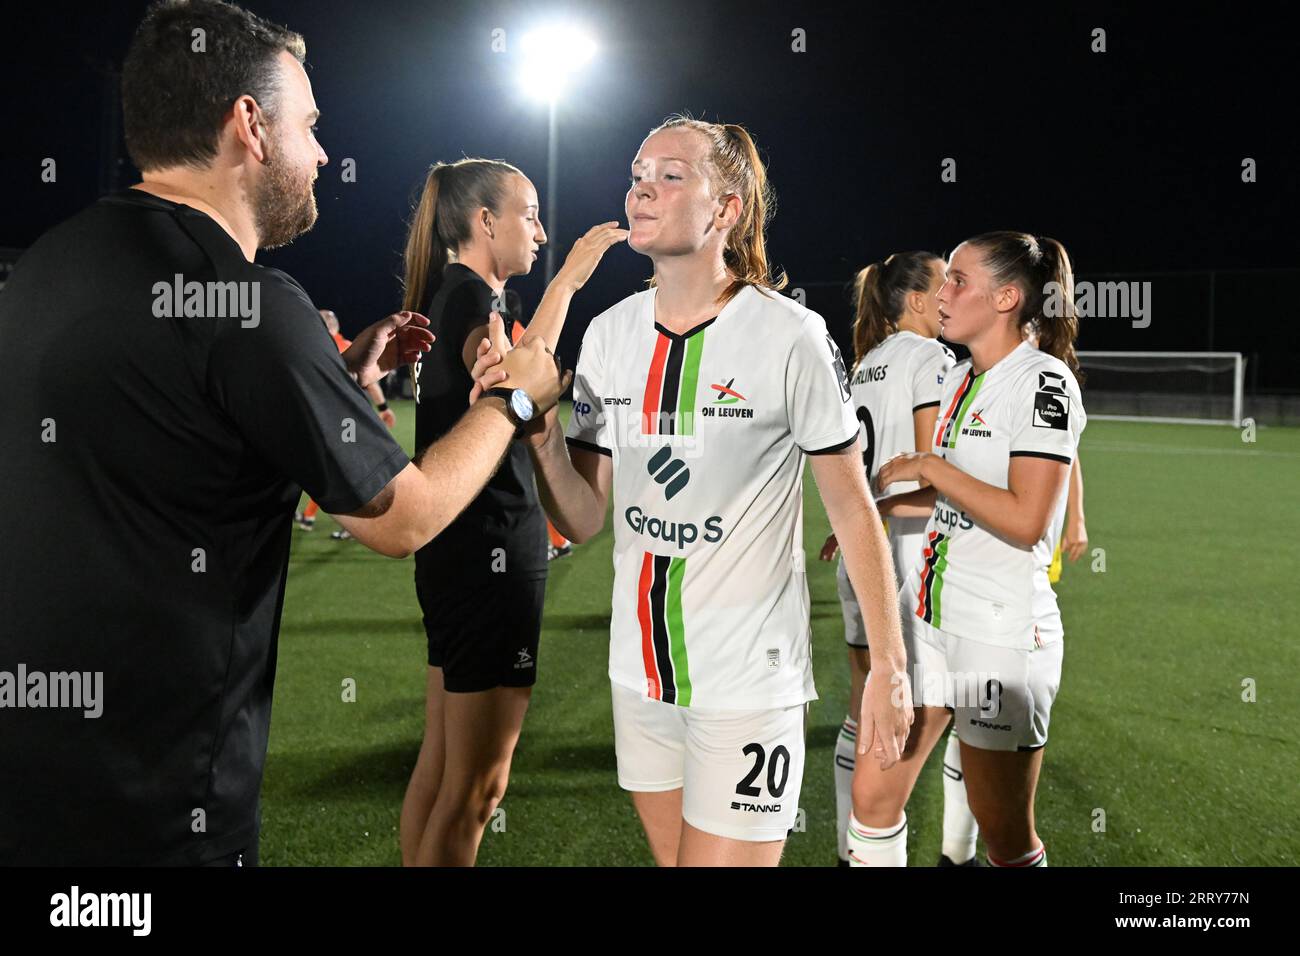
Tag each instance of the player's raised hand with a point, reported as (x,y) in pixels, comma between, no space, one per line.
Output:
(886,717)
(586,254)
(488,372)
(830,548)
(397,340)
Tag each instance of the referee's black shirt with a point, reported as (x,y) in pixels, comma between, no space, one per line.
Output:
(502,533)
(149,468)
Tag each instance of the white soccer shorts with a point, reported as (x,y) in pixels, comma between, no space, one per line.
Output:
(740,772)
(1001,697)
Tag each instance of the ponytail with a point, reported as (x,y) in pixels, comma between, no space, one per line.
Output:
(425,256)
(880,296)
(1057,332)
(872,321)
(1031,264)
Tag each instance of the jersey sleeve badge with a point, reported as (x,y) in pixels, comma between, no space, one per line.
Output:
(1051,409)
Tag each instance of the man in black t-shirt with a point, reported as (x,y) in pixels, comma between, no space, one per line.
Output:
(165,398)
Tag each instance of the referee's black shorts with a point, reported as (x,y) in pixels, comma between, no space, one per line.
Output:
(483,632)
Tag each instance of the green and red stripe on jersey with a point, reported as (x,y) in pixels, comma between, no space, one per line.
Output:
(668,406)
(950,424)
(663,636)
(935,556)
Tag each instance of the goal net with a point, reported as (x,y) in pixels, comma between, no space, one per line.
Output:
(1203,388)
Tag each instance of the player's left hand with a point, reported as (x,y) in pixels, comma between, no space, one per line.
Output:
(901,468)
(885,720)
(397,340)
(388,418)
(1074,539)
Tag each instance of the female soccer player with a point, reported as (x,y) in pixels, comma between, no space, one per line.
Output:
(696,402)
(984,626)
(897,381)
(482,581)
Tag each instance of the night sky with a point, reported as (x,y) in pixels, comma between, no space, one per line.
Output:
(1131,157)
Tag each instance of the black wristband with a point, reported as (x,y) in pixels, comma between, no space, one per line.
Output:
(381,407)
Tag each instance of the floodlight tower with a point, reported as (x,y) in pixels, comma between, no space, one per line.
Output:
(552,55)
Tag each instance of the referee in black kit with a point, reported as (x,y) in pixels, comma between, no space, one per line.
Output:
(164,401)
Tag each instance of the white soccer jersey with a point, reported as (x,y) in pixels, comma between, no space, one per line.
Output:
(971,583)
(708,432)
(902,374)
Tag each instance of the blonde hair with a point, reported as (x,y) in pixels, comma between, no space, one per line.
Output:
(737,168)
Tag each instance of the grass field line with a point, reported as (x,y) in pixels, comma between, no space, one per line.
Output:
(1140,448)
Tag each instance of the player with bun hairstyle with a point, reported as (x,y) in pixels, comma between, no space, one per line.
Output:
(984,628)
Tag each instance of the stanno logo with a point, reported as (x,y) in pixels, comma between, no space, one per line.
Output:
(525,660)
(987,726)
(755,807)
(618,401)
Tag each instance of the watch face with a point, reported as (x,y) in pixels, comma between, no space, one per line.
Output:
(521,404)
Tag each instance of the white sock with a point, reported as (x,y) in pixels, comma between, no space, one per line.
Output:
(845,755)
(959,826)
(871,847)
(1032,858)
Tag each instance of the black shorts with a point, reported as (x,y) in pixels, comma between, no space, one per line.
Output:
(484,633)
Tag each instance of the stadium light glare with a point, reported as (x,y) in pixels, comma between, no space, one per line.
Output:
(551,55)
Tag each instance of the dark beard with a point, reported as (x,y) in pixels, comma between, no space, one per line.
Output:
(284,206)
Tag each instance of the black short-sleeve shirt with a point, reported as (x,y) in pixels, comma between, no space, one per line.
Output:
(503,530)
(155,436)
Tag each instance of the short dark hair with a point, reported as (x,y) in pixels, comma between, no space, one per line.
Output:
(174,97)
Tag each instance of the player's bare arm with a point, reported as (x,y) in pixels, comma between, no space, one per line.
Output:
(1074,538)
(548,321)
(887,698)
(1019,513)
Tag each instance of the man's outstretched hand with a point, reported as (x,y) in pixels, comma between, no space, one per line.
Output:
(390,343)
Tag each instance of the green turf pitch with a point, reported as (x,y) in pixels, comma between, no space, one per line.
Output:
(1201,534)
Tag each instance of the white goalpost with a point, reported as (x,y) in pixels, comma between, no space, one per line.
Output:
(1188,388)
